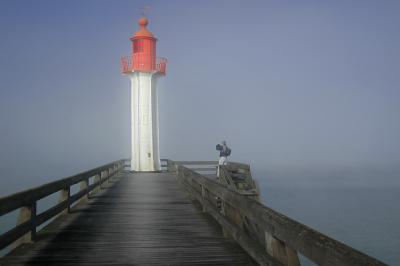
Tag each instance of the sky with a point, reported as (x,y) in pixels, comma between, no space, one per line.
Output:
(298,89)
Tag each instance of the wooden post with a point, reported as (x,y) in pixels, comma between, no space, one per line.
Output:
(110,174)
(84,184)
(293,258)
(115,170)
(33,208)
(203,195)
(169,166)
(103,175)
(279,250)
(96,179)
(64,196)
(27,213)
(225,232)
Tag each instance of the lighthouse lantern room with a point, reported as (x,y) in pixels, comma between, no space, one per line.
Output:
(144,68)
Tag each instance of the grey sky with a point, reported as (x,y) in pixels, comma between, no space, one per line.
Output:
(291,85)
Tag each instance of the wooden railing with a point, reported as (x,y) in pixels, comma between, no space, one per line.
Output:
(26,201)
(237,176)
(270,237)
(198,166)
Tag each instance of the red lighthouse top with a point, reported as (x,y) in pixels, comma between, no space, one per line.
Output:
(143,58)
(143,32)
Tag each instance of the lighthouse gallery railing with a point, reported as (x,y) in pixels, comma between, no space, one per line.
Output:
(140,62)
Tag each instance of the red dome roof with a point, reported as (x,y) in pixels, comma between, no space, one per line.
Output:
(143,32)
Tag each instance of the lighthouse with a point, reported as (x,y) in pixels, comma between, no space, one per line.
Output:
(143,68)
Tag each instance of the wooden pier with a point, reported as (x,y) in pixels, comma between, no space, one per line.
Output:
(181,216)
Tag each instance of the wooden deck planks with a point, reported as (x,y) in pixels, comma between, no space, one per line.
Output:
(143,219)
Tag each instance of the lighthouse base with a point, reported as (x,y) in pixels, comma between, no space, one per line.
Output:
(145,155)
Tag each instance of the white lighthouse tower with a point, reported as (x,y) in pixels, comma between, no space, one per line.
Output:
(144,68)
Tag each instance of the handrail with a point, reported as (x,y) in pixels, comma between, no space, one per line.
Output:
(260,230)
(237,176)
(26,201)
(196,162)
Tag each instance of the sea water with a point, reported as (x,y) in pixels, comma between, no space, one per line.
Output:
(365,218)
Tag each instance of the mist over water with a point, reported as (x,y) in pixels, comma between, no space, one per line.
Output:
(359,207)
(363,218)
(306,92)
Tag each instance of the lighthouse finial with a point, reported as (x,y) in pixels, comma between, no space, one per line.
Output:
(143,22)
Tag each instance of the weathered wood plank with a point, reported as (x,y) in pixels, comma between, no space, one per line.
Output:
(142,219)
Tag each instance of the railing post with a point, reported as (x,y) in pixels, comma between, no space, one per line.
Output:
(33,209)
(172,167)
(27,213)
(103,175)
(64,196)
(110,174)
(293,258)
(84,184)
(203,195)
(97,179)
(225,232)
(115,169)
(279,250)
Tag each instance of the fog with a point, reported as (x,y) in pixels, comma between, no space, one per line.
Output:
(306,92)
